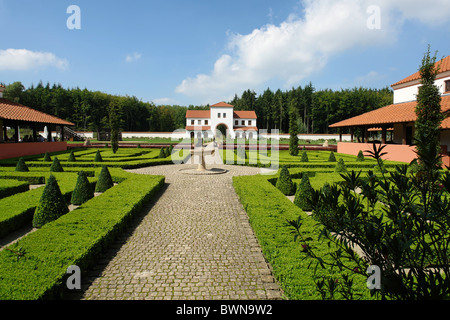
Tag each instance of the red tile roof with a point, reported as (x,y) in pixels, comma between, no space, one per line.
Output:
(244,114)
(198,114)
(246,128)
(222,104)
(444,66)
(198,128)
(394,113)
(14,111)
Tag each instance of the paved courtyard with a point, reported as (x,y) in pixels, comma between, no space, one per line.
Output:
(193,242)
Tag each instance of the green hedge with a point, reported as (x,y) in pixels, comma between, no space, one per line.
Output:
(268,210)
(10,187)
(35,267)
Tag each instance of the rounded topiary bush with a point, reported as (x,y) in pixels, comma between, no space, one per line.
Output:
(304,191)
(47,157)
(104,181)
(21,166)
(83,191)
(72,157)
(332,158)
(340,166)
(360,156)
(304,156)
(284,182)
(98,157)
(56,166)
(51,205)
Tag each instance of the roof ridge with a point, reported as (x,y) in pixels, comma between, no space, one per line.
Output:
(445,66)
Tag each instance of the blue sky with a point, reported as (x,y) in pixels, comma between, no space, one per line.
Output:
(205,51)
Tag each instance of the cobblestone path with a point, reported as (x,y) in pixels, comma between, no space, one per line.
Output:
(194,242)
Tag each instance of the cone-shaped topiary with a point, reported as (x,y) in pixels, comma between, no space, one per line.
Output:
(304,156)
(139,146)
(360,156)
(340,166)
(56,166)
(98,157)
(104,181)
(170,149)
(304,190)
(332,158)
(241,152)
(51,206)
(166,152)
(21,166)
(71,157)
(83,191)
(284,182)
(47,157)
(162,153)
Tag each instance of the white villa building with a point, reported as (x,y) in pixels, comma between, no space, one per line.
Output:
(221,116)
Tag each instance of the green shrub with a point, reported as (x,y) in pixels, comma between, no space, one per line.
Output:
(360,156)
(139,146)
(47,157)
(83,191)
(56,166)
(71,157)
(21,166)
(304,191)
(304,156)
(332,158)
(98,157)
(51,205)
(162,153)
(340,166)
(284,182)
(104,180)
(166,152)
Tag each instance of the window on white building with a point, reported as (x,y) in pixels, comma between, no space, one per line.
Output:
(447,86)
(218,115)
(192,122)
(243,122)
(249,122)
(236,122)
(199,121)
(224,115)
(206,122)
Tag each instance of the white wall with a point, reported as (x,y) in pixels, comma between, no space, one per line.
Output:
(228,120)
(408,91)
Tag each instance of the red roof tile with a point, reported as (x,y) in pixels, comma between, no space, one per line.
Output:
(244,114)
(394,113)
(222,104)
(198,128)
(246,128)
(198,114)
(14,111)
(444,66)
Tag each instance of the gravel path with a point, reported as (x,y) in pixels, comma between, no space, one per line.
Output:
(194,242)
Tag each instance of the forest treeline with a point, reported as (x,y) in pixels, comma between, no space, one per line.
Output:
(90,110)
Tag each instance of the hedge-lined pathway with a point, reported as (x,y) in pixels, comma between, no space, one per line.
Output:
(195,242)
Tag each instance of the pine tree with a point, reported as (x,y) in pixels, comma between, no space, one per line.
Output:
(304,191)
(83,190)
(284,182)
(304,156)
(51,205)
(360,156)
(71,157)
(47,157)
(98,157)
(56,166)
(293,131)
(21,166)
(104,181)
(332,158)
(340,166)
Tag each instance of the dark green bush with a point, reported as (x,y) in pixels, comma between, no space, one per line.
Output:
(98,157)
(72,157)
(104,180)
(47,157)
(284,182)
(360,156)
(332,158)
(340,166)
(304,156)
(21,166)
(52,204)
(162,153)
(83,191)
(56,166)
(304,191)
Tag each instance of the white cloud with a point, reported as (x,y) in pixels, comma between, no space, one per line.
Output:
(23,59)
(165,101)
(133,57)
(300,46)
